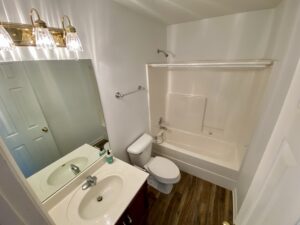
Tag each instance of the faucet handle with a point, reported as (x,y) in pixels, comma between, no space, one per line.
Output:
(92,179)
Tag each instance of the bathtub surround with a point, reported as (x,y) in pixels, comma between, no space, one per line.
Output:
(210,115)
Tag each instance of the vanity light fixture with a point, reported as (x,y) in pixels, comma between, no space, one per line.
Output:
(6,43)
(38,34)
(72,40)
(43,38)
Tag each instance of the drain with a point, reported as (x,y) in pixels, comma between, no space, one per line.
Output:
(99,198)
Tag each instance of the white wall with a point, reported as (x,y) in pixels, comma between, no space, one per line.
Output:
(285,49)
(273,197)
(118,41)
(262,34)
(238,36)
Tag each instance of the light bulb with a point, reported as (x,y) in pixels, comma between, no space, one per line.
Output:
(43,38)
(6,43)
(73,42)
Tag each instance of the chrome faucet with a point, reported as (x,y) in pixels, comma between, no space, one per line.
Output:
(75,169)
(90,181)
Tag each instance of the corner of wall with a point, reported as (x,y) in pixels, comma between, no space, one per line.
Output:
(286,51)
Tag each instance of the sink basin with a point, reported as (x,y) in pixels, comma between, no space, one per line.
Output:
(64,172)
(97,201)
(100,198)
(102,204)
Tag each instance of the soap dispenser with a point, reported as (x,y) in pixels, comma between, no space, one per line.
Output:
(102,151)
(109,157)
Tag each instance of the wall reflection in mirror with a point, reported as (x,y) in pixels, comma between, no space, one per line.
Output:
(50,114)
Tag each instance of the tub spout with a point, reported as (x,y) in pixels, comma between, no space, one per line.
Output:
(160,137)
(163,128)
(160,123)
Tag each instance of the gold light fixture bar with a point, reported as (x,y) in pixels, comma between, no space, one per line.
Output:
(22,34)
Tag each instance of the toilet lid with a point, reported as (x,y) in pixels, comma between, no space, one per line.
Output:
(164,170)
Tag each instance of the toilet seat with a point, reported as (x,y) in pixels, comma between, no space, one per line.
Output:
(164,170)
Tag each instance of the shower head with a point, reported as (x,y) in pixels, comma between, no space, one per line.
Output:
(162,51)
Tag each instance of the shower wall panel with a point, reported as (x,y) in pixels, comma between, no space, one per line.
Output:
(229,101)
(223,104)
(157,86)
(186,112)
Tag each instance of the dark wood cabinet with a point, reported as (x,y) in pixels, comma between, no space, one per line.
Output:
(137,211)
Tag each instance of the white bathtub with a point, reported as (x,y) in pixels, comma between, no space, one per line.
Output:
(210,159)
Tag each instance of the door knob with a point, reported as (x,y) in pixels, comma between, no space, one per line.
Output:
(45,129)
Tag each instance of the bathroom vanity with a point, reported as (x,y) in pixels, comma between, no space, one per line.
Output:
(136,212)
(119,197)
(53,145)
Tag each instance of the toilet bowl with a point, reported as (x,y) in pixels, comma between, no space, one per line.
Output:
(163,172)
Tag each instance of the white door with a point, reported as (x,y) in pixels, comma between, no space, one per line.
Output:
(22,123)
(274,195)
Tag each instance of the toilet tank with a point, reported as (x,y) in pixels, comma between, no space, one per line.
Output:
(140,150)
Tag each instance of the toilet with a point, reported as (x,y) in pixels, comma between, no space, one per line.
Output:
(163,172)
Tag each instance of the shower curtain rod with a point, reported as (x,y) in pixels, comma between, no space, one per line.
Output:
(218,64)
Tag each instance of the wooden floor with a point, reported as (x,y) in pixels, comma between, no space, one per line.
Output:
(192,202)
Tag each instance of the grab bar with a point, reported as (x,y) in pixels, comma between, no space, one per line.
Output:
(119,95)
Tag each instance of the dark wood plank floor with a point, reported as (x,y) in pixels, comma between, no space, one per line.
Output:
(192,202)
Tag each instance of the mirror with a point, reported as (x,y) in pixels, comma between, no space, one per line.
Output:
(50,114)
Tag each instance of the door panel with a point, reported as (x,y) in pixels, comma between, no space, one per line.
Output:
(281,170)
(24,159)
(25,106)
(22,121)
(6,121)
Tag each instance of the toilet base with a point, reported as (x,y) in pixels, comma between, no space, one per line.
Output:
(163,188)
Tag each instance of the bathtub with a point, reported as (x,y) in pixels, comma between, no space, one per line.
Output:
(205,157)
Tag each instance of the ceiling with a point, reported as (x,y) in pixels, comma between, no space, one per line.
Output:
(179,11)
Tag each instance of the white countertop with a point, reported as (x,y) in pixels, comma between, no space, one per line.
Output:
(133,180)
